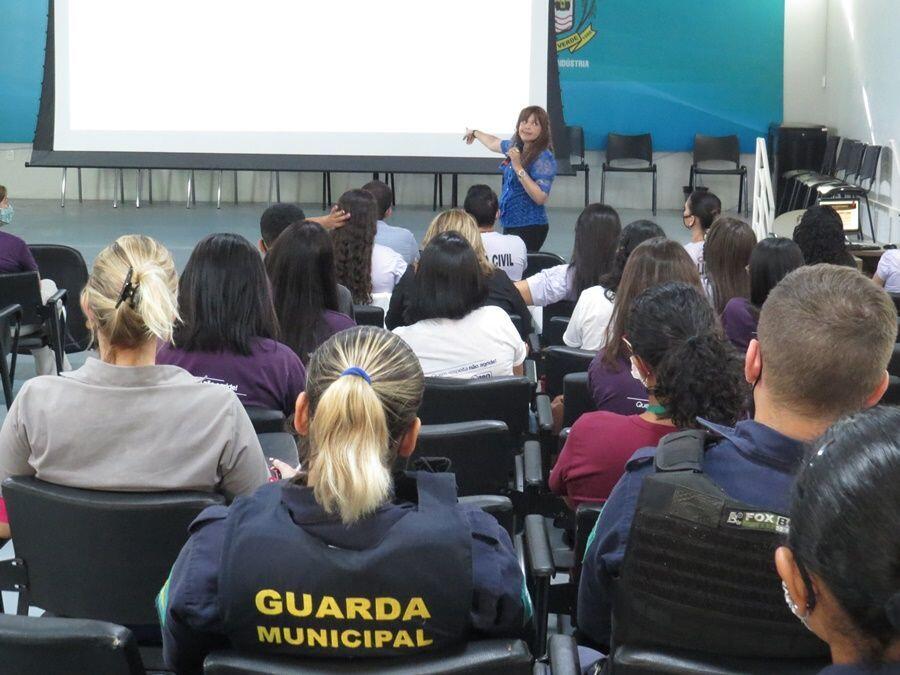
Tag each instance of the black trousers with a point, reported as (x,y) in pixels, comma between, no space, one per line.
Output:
(533,235)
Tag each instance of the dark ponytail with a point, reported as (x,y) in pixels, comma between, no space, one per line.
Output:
(673,329)
(632,235)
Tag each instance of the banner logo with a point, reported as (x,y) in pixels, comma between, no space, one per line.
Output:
(574,27)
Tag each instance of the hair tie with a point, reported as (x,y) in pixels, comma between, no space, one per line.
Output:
(892,609)
(128,289)
(358,372)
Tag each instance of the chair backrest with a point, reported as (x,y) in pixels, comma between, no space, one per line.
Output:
(843,156)
(576,142)
(99,555)
(66,267)
(555,321)
(522,323)
(369,315)
(853,160)
(23,288)
(830,156)
(280,445)
(52,646)
(485,657)
(577,397)
(480,454)
(637,660)
(506,399)
(722,148)
(539,261)
(559,362)
(639,146)
(869,164)
(265,421)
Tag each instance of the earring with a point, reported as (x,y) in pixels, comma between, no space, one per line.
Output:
(795,609)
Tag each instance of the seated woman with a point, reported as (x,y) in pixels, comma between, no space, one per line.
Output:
(770,262)
(820,235)
(301,270)
(454,333)
(690,371)
(840,566)
(701,209)
(313,565)
(655,262)
(123,423)
(360,264)
(887,275)
(228,330)
(500,290)
(587,327)
(729,243)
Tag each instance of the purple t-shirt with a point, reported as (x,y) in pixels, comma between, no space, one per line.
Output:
(336,322)
(614,389)
(271,377)
(15,256)
(739,321)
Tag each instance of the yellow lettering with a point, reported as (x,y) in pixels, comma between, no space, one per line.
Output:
(382,637)
(292,604)
(347,642)
(403,639)
(360,606)
(270,635)
(268,602)
(329,607)
(297,639)
(316,638)
(386,609)
(334,638)
(416,607)
(421,640)
(367,639)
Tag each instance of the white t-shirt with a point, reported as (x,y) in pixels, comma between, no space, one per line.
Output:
(552,285)
(387,268)
(889,270)
(506,251)
(484,343)
(587,327)
(695,250)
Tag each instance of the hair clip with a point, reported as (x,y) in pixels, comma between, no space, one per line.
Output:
(128,290)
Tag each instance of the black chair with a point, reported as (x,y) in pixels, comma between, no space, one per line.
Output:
(561,361)
(96,555)
(23,288)
(576,149)
(555,321)
(793,177)
(265,421)
(538,261)
(66,267)
(618,148)
(52,646)
(848,163)
(485,657)
(280,445)
(651,661)
(719,149)
(10,323)
(369,315)
(865,180)
(577,397)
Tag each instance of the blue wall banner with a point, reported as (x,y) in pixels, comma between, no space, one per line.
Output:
(21,67)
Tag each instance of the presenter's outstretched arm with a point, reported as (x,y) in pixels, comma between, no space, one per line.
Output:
(490,142)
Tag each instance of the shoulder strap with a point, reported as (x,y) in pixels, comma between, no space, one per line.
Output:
(681,451)
(436,490)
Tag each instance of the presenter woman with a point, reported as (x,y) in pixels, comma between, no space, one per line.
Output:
(528,173)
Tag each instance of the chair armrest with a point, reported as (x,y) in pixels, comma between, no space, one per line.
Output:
(11,311)
(498,506)
(563,652)
(533,466)
(530,368)
(534,344)
(61,294)
(537,543)
(544,414)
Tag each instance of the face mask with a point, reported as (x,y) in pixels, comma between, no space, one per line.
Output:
(636,373)
(6,214)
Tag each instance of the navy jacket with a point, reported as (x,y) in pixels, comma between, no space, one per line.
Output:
(752,463)
(188,604)
(855,669)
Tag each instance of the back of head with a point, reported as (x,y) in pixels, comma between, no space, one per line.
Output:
(820,235)
(130,296)
(3,192)
(654,262)
(674,331)
(845,518)
(633,234)
(705,206)
(457,220)
(770,262)
(355,426)
(449,283)
(276,218)
(301,271)
(224,297)
(353,244)
(826,334)
(726,255)
(482,204)
(383,194)
(596,240)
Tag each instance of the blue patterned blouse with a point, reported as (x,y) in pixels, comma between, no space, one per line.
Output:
(517,209)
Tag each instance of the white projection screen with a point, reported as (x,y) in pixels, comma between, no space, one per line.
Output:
(327,80)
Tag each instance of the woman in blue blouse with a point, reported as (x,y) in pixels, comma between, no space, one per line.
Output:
(528,173)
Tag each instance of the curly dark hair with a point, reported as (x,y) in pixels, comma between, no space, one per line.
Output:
(634,233)
(820,236)
(353,244)
(673,329)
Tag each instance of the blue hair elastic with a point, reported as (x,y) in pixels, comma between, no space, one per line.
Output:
(359,372)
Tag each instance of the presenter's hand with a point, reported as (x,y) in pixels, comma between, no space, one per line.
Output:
(336,218)
(469,138)
(515,158)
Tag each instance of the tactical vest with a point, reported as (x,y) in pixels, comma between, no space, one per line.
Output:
(284,591)
(699,569)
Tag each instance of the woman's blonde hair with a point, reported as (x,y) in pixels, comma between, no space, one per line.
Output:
(355,426)
(131,294)
(458,220)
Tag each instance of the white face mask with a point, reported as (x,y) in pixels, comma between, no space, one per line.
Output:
(636,373)
(793,607)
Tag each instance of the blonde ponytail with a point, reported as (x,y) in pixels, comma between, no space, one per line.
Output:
(356,426)
(458,220)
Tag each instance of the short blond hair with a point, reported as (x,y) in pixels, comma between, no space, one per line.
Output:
(458,220)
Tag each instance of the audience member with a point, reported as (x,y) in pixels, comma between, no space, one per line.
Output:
(454,333)
(820,235)
(729,243)
(690,371)
(700,211)
(506,251)
(888,273)
(841,563)
(347,533)
(304,289)
(770,262)
(360,264)
(228,330)
(6,209)
(396,238)
(654,262)
(121,422)
(587,326)
(797,392)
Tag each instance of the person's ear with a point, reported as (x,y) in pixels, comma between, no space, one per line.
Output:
(301,414)
(753,362)
(388,213)
(410,439)
(790,575)
(878,392)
